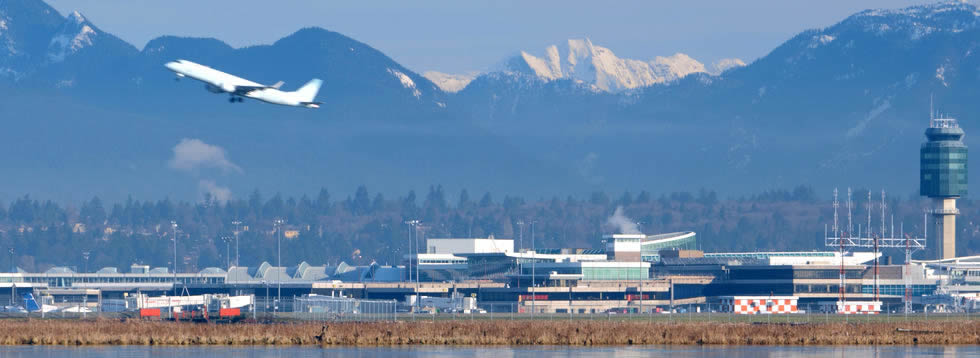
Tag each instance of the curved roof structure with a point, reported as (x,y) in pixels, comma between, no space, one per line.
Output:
(668,237)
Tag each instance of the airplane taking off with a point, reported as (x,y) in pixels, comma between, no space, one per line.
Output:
(220,82)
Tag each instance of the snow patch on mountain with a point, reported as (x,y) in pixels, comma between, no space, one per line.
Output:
(880,106)
(941,75)
(8,42)
(821,40)
(917,22)
(448,82)
(725,64)
(406,82)
(74,35)
(600,69)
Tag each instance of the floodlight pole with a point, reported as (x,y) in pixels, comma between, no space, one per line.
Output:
(534,296)
(85,255)
(237,223)
(520,264)
(173,224)
(279,222)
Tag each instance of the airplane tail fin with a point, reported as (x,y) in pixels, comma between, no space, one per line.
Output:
(30,303)
(308,92)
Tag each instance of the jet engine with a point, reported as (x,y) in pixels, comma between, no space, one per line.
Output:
(222,88)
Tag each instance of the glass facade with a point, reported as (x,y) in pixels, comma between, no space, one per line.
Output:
(650,249)
(899,290)
(615,273)
(943,163)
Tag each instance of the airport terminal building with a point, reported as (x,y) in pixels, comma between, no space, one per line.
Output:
(632,272)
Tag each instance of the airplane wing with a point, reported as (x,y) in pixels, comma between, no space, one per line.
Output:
(244,90)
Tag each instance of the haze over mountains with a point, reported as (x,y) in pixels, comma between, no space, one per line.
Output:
(85,113)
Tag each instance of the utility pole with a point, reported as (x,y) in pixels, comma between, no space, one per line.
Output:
(173,224)
(279,222)
(237,223)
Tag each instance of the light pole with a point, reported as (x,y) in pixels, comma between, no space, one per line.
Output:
(413,226)
(85,255)
(279,222)
(520,265)
(173,224)
(237,223)
(13,269)
(227,241)
(418,261)
(534,296)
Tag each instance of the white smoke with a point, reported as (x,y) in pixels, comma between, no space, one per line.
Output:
(218,193)
(621,223)
(191,154)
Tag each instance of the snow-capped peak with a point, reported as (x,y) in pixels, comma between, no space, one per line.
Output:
(600,68)
(448,82)
(76,34)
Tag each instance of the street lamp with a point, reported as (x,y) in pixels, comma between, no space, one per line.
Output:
(237,223)
(85,255)
(279,222)
(520,264)
(227,241)
(534,296)
(173,224)
(413,224)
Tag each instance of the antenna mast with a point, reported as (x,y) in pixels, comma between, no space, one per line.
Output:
(870,204)
(883,205)
(850,228)
(836,232)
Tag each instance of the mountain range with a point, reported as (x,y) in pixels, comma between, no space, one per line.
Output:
(86,113)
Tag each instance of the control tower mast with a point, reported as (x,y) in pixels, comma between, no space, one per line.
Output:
(943,178)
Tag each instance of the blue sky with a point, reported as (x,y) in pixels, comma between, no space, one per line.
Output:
(458,36)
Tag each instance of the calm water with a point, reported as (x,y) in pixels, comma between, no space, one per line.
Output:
(533,352)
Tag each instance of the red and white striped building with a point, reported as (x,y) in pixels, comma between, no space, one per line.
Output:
(761,304)
(858,307)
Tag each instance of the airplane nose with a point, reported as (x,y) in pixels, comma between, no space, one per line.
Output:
(172,66)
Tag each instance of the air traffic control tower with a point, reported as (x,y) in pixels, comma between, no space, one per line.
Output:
(943,178)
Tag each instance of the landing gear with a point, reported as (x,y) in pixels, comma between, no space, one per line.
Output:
(234,99)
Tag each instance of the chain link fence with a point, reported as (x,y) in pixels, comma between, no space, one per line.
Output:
(321,308)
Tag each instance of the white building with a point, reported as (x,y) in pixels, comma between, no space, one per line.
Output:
(489,245)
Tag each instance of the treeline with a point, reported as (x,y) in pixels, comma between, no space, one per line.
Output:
(365,227)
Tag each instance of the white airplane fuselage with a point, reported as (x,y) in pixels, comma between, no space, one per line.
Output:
(221,82)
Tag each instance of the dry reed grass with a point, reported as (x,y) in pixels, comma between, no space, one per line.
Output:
(575,333)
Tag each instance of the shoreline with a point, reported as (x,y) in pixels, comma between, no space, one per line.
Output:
(482,333)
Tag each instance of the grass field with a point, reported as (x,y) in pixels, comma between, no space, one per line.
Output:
(541,331)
